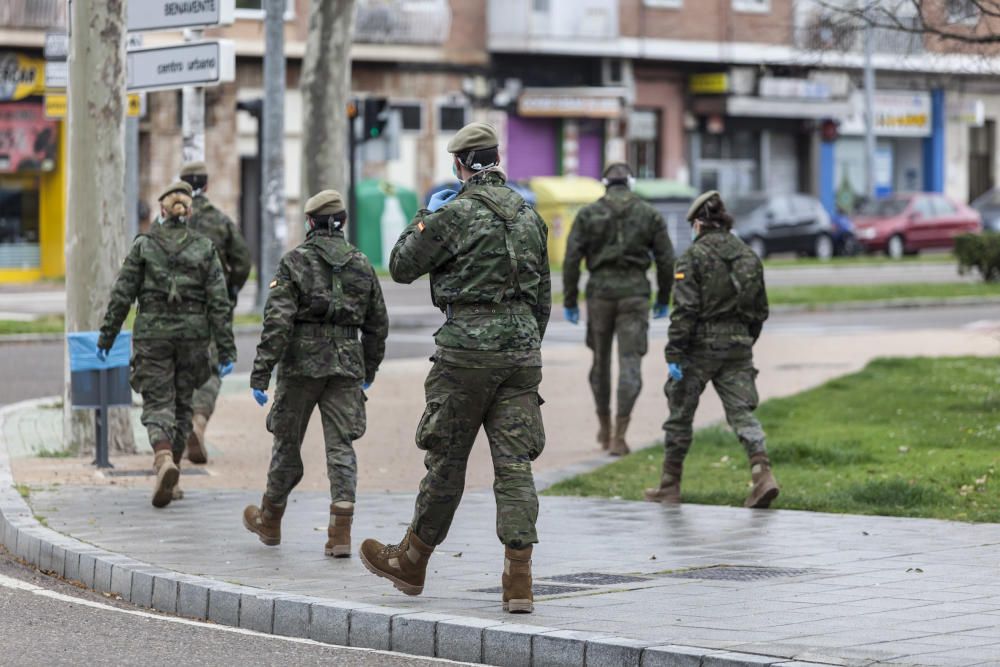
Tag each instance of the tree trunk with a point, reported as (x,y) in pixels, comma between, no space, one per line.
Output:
(95,220)
(326,88)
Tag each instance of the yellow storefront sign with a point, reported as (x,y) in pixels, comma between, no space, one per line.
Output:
(20,76)
(709,83)
(55,105)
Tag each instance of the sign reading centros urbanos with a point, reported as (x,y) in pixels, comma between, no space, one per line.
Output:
(20,76)
(896,114)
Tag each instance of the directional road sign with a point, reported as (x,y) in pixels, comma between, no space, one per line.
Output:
(147,15)
(179,65)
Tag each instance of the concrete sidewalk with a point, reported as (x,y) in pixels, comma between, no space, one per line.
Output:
(616,582)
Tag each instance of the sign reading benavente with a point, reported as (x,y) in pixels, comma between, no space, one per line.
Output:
(172,14)
(190,64)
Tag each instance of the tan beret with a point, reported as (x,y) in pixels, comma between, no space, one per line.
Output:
(473,137)
(194,169)
(617,171)
(327,202)
(699,202)
(176,186)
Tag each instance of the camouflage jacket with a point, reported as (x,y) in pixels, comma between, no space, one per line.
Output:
(617,235)
(323,295)
(487,256)
(177,278)
(233,251)
(720,302)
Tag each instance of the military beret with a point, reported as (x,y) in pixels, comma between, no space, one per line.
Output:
(473,137)
(194,169)
(176,186)
(327,202)
(617,171)
(699,202)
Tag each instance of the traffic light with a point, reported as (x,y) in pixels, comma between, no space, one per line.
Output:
(376,117)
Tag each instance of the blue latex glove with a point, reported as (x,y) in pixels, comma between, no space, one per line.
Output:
(660,310)
(225,369)
(259,396)
(440,198)
(572,315)
(366,385)
(675,372)
(102,355)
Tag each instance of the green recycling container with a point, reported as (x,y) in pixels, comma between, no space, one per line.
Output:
(384,210)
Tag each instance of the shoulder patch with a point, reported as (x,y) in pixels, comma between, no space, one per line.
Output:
(274,283)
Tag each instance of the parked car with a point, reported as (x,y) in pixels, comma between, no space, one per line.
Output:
(905,224)
(988,205)
(784,223)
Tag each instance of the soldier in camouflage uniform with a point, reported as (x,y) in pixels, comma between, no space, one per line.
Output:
(485,250)
(235,255)
(323,295)
(720,306)
(617,235)
(177,278)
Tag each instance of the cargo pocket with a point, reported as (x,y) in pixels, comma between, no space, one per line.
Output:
(537,434)
(436,425)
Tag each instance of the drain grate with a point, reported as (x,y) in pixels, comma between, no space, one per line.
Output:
(114,472)
(740,572)
(540,590)
(596,579)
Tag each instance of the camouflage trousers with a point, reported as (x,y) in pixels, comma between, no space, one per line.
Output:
(166,373)
(734,382)
(206,395)
(628,319)
(341,407)
(503,401)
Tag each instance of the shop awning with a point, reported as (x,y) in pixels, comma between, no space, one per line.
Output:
(759,107)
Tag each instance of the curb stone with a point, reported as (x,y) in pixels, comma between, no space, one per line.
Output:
(336,622)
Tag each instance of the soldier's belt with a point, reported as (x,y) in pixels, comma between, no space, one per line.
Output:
(164,308)
(322,329)
(737,328)
(453,310)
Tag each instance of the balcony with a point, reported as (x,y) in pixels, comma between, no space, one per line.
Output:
(33,14)
(402,22)
(553,25)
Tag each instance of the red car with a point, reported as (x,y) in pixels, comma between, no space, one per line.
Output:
(905,224)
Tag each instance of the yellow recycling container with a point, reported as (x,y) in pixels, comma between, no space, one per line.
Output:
(559,200)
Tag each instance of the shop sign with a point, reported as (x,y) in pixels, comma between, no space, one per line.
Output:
(798,89)
(568,105)
(55,105)
(971,112)
(28,140)
(20,76)
(709,83)
(896,114)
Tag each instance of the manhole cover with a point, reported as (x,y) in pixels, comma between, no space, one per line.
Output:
(596,579)
(114,472)
(540,590)
(740,572)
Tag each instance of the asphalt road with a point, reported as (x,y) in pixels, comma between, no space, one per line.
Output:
(45,621)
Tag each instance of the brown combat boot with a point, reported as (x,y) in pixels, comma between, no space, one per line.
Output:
(669,491)
(618,445)
(516,580)
(765,487)
(167,474)
(338,543)
(404,564)
(604,430)
(264,521)
(196,450)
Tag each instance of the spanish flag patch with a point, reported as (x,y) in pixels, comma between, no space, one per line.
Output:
(679,276)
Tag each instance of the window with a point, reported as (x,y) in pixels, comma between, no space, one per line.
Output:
(541,6)
(943,207)
(664,4)
(754,6)
(451,117)
(923,208)
(411,117)
(962,11)
(254,9)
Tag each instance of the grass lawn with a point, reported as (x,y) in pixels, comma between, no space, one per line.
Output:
(817,295)
(904,437)
(54,324)
(857,260)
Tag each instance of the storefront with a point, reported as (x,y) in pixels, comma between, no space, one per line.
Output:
(32,181)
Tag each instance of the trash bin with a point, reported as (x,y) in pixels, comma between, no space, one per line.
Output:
(384,210)
(99,385)
(559,198)
(672,199)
